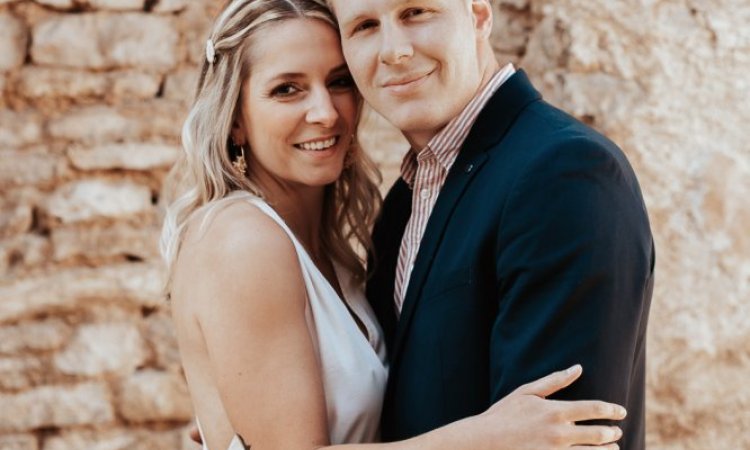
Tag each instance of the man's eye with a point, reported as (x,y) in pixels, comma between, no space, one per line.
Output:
(364,25)
(284,90)
(413,12)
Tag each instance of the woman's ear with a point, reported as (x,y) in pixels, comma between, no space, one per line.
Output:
(238,134)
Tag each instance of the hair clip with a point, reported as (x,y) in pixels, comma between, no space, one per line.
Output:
(210,52)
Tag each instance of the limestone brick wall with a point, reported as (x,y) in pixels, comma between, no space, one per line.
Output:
(92,96)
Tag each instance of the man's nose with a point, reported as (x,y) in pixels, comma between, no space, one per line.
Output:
(395,46)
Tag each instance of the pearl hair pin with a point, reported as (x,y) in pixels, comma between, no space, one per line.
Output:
(210,52)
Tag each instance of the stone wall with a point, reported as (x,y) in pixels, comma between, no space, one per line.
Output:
(92,96)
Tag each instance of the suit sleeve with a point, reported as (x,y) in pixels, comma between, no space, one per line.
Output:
(574,259)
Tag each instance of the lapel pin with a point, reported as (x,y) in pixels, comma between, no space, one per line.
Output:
(469,168)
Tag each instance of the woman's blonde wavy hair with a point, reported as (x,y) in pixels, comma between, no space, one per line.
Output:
(204,175)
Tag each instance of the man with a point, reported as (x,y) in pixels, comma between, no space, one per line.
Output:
(516,242)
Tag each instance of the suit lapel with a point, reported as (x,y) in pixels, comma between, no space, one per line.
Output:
(491,125)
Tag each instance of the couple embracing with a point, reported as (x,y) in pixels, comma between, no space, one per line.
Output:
(514,245)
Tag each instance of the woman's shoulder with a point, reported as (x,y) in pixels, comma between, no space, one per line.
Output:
(235,228)
(235,248)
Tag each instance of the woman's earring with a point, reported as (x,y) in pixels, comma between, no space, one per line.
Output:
(239,163)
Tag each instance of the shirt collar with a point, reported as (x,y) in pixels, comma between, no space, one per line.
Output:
(446,144)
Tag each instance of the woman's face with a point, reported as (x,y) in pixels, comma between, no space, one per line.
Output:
(298,106)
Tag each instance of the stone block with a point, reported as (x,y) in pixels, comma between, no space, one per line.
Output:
(19,441)
(181,84)
(106,41)
(105,348)
(15,219)
(57,4)
(131,85)
(123,439)
(160,335)
(130,156)
(100,242)
(98,199)
(170,6)
(18,129)
(49,82)
(41,336)
(56,406)
(33,167)
(24,251)
(149,395)
(93,124)
(68,289)
(18,373)
(117,5)
(13,41)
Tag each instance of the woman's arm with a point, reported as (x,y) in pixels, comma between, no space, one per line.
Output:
(252,315)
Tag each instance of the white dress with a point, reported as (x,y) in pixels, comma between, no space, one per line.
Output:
(353,366)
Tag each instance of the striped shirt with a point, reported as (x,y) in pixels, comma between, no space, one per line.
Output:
(425,172)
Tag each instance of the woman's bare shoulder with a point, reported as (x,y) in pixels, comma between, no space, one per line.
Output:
(228,255)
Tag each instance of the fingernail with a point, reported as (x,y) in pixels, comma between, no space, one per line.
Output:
(573,369)
(621,412)
(618,433)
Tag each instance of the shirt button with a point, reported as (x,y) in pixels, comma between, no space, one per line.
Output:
(424,194)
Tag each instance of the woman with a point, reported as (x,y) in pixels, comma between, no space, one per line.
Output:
(278,343)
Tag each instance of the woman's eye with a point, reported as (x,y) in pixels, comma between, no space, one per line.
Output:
(284,90)
(343,82)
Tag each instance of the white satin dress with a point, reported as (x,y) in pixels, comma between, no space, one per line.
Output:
(353,366)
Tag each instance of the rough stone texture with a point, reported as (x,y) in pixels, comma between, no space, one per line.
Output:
(133,156)
(13,38)
(161,337)
(25,251)
(665,79)
(41,336)
(71,289)
(153,396)
(105,41)
(14,167)
(19,442)
(92,199)
(56,406)
(16,219)
(124,439)
(100,242)
(102,348)
(93,124)
(19,129)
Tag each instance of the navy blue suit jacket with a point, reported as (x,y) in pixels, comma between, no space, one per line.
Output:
(538,255)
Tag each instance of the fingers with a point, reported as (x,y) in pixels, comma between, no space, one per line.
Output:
(551,383)
(595,435)
(580,410)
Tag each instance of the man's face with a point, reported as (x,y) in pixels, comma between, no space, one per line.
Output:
(416,62)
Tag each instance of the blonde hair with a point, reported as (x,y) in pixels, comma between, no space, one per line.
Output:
(204,174)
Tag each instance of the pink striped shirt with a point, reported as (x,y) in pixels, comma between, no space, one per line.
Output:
(426,170)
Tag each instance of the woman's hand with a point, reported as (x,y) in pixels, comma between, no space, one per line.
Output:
(525,419)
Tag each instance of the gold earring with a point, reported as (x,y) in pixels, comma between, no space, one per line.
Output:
(239,163)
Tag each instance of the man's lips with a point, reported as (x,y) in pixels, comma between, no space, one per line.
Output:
(401,84)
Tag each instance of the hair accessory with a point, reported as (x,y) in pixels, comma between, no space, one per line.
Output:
(239,163)
(210,52)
